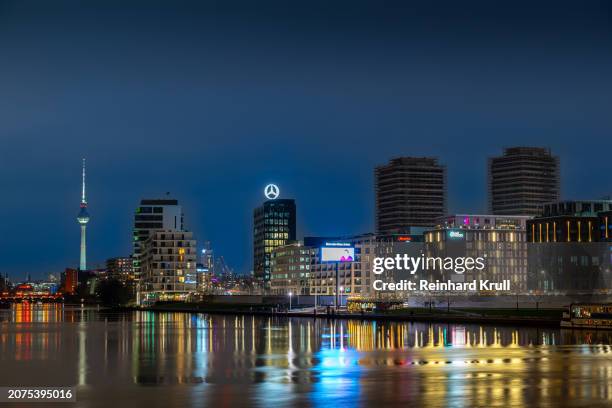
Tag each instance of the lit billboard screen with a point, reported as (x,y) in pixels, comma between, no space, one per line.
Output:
(335,254)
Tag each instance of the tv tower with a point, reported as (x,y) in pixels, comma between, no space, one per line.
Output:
(83,219)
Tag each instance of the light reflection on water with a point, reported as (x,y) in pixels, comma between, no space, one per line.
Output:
(180,359)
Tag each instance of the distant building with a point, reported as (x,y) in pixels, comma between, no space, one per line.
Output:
(207,258)
(23,290)
(273,226)
(290,269)
(4,283)
(120,268)
(154,215)
(168,266)
(500,239)
(205,269)
(203,279)
(522,180)
(70,281)
(410,192)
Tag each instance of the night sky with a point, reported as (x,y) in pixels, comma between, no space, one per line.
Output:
(212,101)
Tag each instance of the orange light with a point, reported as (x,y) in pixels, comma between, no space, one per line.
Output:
(540,225)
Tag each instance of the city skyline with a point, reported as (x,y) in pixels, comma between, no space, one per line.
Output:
(100,263)
(305,203)
(212,103)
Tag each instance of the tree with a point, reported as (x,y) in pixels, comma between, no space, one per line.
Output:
(112,292)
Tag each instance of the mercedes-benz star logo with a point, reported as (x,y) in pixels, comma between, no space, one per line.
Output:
(271,191)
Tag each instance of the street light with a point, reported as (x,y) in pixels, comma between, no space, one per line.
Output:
(341,292)
(290,294)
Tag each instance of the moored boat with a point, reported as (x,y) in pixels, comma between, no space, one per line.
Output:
(588,316)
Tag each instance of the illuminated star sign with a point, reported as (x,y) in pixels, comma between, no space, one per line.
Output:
(271,191)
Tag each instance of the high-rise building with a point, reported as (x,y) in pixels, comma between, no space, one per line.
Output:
(522,181)
(168,266)
(153,215)
(273,226)
(83,219)
(410,192)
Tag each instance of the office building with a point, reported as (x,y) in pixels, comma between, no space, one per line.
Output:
(290,269)
(499,239)
(273,226)
(410,192)
(522,180)
(570,253)
(168,266)
(354,278)
(154,215)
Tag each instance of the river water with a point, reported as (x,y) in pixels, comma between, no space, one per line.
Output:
(179,360)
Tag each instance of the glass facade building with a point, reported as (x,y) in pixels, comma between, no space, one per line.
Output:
(273,226)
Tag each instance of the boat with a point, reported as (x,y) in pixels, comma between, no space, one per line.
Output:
(588,316)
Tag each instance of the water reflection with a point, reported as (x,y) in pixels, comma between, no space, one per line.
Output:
(193,359)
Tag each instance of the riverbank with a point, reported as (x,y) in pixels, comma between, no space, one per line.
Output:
(514,317)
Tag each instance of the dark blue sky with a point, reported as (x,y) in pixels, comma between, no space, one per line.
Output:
(212,101)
